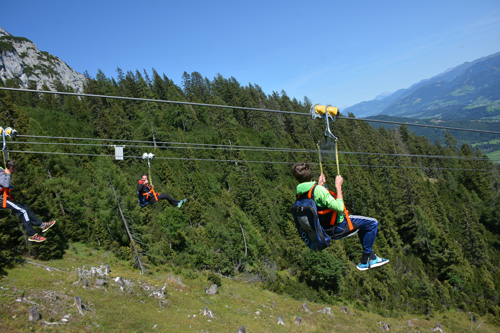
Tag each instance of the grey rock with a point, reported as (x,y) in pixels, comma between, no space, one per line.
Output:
(212,290)
(33,314)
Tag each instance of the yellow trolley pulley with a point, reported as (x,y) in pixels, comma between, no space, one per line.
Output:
(332,112)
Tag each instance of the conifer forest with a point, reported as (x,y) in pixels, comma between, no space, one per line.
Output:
(437,203)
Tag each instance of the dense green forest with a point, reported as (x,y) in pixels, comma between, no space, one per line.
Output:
(439,217)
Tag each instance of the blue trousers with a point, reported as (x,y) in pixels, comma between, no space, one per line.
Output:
(367,230)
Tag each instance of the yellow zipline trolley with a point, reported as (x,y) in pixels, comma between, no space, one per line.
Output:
(327,112)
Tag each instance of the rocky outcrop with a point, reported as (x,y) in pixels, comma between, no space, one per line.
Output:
(23,62)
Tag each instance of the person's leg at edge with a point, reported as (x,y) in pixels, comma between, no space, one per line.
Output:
(28,218)
(26,215)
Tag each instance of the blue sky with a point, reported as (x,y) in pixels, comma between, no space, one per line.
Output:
(334,52)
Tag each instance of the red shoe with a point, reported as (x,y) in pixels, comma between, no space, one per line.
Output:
(36,238)
(46,225)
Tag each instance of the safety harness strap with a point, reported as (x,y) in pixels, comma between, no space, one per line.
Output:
(328,211)
(310,194)
(6,195)
(349,223)
(154,193)
(151,190)
(4,203)
(346,213)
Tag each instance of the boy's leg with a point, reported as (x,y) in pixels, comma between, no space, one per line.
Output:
(165,196)
(367,231)
(26,215)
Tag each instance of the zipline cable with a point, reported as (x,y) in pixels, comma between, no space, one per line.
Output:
(251,161)
(197,146)
(241,108)
(149,100)
(222,106)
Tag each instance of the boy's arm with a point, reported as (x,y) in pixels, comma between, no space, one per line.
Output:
(4,179)
(323,198)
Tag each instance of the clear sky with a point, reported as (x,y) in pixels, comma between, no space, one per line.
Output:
(334,52)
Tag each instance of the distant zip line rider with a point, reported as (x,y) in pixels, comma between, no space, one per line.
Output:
(366,226)
(20,210)
(147,194)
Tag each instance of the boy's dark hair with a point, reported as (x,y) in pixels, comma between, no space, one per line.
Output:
(302,172)
(11,163)
(144,174)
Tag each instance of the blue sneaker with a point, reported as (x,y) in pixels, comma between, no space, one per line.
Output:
(179,205)
(377,262)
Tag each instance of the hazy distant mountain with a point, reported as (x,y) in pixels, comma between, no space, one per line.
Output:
(468,91)
(25,65)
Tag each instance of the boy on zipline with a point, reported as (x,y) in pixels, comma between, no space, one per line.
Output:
(147,194)
(20,210)
(365,227)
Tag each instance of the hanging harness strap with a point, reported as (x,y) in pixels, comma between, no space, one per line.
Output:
(349,223)
(346,213)
(337,157)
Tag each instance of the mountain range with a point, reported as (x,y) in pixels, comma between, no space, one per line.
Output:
(469,91)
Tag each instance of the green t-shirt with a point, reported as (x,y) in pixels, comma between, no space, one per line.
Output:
(323,198)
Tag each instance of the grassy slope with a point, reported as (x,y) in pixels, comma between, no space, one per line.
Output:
(494,156)
(237,303)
